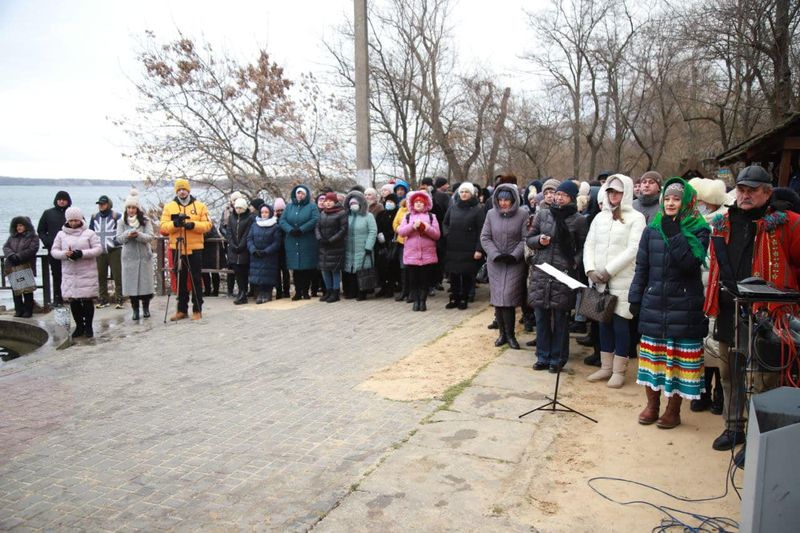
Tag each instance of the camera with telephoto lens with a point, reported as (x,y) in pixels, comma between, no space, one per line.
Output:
(179,219)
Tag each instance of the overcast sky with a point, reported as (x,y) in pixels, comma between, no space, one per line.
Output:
(65,65)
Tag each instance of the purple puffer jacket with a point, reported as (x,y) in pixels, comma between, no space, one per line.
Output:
(79,278)
(420,247)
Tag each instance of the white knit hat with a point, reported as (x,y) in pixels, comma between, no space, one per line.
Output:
(467,186)
(240,203)
(133,198)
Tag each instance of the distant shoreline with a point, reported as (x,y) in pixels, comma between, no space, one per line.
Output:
(69,182)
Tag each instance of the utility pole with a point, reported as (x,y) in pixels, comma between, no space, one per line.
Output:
(363,155)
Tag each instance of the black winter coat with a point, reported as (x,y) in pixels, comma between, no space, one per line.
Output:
(544,291)
(213,252)
(331,233)
(238,228)
(50,223)
(669,287)
(462,227)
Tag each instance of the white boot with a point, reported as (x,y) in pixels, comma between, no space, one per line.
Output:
(620,365)
(606,361)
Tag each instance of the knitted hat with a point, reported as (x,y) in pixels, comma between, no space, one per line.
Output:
(182,183)
(133,198)
(551,184)
(280,204)
(653,175)
(235,195)
(569,188)
(332,197)
(674,189)
(439,182)
(583,188)
(73,213)
(240,203)
(467,186)
(387,189)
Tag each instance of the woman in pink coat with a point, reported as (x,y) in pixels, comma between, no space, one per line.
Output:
(77,247)
(421,230)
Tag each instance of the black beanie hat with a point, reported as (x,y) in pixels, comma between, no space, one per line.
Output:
(569,188)
(257,203)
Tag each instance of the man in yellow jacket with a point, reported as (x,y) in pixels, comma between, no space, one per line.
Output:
(185,220)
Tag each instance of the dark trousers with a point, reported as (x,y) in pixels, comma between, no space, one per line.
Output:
(420,277)
(55,270)
(191,269)
(461,286)
(349,285)
(23,304)
(615,337)
(284,278)
(552,336)
(82,312)
(302,281)
(211,284)
(241,272)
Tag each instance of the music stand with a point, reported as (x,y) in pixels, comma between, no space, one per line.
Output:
(554,405)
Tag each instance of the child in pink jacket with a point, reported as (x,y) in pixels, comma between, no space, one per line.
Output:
(421,230)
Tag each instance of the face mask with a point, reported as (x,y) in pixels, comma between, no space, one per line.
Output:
(390,206)
(703,209)
(354,208)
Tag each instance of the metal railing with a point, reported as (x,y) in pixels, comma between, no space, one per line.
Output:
(213,255)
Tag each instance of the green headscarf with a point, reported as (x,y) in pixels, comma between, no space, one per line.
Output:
(690,218)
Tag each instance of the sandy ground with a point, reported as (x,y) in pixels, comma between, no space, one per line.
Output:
(567,450)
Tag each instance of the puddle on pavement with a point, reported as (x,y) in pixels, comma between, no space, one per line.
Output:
(11,348)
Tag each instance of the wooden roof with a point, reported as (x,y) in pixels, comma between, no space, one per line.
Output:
(765,146)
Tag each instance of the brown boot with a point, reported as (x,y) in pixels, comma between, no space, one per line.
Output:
(672,414)
(650,413)
(178,316)
(197,315)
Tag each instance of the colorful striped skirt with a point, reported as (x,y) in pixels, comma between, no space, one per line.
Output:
(672,365)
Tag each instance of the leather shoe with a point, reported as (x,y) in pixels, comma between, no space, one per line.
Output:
(540,366)
(592,360)
(727,440)
(178,316)
(555,369)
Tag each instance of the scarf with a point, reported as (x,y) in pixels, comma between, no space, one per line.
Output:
(563,235)
(690,219)
(335,209)
(649,199)
(266,222)
(133,222)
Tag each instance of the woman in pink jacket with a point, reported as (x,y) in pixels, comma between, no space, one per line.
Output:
(77,247)
(421,230)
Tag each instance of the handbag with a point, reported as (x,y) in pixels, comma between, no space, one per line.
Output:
(483,274)
(21,279)
(367,277)
(596,305)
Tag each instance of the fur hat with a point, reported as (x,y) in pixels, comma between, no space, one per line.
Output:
(182,183)
(710,191)
(73,213)
(133,198)
(506,178)
(280,204)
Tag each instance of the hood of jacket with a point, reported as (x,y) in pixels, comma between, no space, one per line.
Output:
(293,196)
(62,195)
(400,183)
(626,204)
(419,195)
(360,198)
(514,197)
(25,221)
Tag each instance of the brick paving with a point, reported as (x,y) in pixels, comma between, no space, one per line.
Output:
(249,419)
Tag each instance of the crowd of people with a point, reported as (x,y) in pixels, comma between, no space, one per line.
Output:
(645,241)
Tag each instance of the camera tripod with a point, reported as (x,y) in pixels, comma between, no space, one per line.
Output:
(180,249)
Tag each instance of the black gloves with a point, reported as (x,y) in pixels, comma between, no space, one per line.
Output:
(506,258)
(188,225)
(671,226)
(635,309)
(295,232)
(76,254)
(13,259)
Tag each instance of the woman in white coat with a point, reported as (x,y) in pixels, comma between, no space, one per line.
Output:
(609,258)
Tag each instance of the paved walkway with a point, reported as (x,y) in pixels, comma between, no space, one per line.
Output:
(249,419)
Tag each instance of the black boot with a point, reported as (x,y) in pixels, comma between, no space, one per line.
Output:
(528,321)
(135,306)
(362,295)
(27,305)
(423,301)
(718,398)
(453,303)
(19,306)
(509,321)
(146,307)
(704,403)
(500,319)
(494,324)
(462,303)
(416,299)
(326,293)
(241,298)
(334,297)
(77,315)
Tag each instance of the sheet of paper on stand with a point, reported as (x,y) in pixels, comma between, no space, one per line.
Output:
(569,281)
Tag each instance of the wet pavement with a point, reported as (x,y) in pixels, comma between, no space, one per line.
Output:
(247,419)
